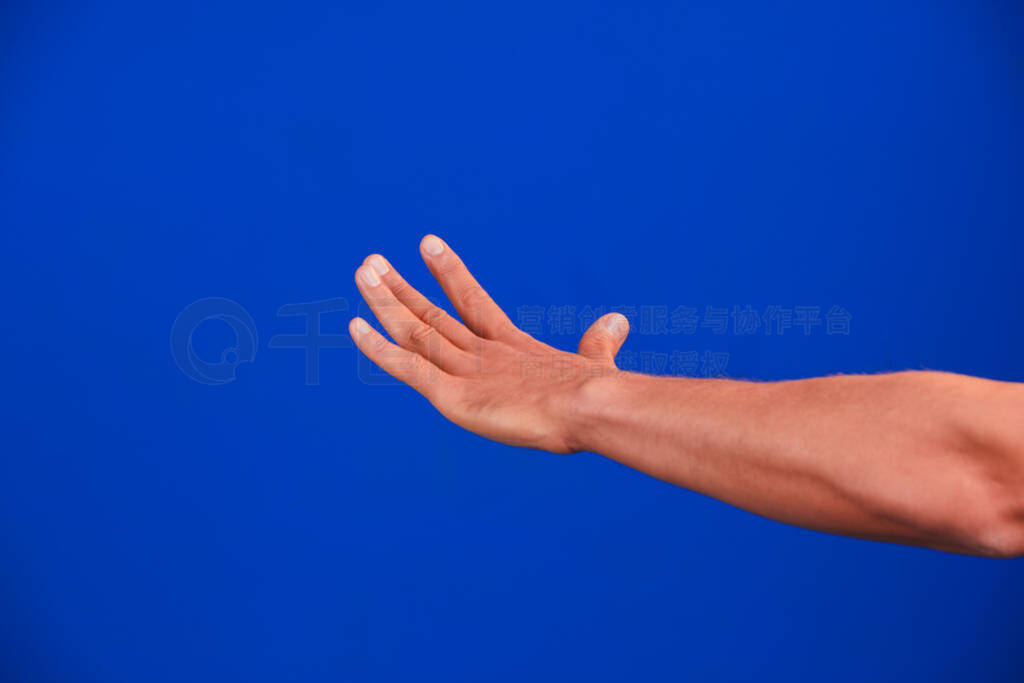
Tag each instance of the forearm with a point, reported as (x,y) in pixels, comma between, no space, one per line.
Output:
(924,458)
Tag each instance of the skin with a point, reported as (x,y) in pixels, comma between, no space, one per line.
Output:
(922,458)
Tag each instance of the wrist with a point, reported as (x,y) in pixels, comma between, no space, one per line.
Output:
(593,406)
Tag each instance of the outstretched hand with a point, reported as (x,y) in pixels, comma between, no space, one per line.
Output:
(483,373)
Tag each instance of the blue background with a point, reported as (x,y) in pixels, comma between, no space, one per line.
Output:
(155,528)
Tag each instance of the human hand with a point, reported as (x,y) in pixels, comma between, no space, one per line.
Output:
(483,373)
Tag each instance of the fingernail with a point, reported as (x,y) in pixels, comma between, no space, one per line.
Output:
(369,276)
(615,323)
(432,245)
(379,264)
(361,326)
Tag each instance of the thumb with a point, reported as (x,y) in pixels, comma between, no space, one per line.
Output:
(604,338)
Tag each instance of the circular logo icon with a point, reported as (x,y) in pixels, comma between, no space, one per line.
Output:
(213,308)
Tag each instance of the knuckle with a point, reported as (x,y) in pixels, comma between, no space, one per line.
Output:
(472,295)
(400,288)
(434,316)
(421,335)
